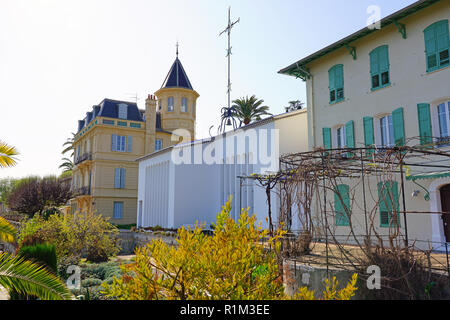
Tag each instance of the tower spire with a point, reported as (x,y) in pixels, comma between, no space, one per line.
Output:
(177,48)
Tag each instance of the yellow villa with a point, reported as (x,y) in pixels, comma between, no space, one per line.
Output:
(115,133)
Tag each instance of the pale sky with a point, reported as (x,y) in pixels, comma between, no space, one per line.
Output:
(58,58)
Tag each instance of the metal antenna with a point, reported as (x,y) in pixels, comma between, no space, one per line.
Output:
(228,30)
(177,48)
(134,96)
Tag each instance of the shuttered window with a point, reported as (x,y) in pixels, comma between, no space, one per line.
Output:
(387,131)
(423,113)
(158,144)
(437,45)
(342,205)
(118,210)
(341,137)
(369,138)
(444,121)
(350,134)
(121,143)
(119,178)
(399,127)
(388,203)
(326,134)
(379,67)
(336,83)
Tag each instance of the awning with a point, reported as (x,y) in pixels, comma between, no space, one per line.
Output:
(428,175)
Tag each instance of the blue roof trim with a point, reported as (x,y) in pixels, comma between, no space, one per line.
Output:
(177,77)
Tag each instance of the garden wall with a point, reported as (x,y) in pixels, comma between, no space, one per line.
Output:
(129,240)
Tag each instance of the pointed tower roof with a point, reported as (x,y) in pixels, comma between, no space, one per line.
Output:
(177,77)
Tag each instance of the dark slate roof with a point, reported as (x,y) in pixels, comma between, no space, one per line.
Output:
(110,108)
(177,78)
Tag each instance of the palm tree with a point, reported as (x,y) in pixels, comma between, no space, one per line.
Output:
(294,105)
(16,273)
(7,154)
(68,163)
(249,109)
(27,277)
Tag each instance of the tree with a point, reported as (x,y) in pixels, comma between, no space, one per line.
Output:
(26,277)
(294,105)
(7,154)
(68,164)
(249,109)
(33,194)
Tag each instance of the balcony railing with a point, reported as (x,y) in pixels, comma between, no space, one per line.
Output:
(83,157)
(83,191)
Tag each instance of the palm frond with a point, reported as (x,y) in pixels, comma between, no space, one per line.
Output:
(7,154)
(29,278)
(7,231)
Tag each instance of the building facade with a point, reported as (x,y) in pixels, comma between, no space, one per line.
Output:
(190,182)
(115,133)
(383,88)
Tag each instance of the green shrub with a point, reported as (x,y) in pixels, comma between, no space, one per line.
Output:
(88,236)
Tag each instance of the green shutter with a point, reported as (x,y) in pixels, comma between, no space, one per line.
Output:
(437,45)
(388,202)
(399,127)
(349,134)
(383,56)
(423,112)
(336,82)
(326,133)
(342,205)
(368,134)
(374,62)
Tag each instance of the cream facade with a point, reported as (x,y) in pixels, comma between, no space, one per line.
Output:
(385,88)
(115,133)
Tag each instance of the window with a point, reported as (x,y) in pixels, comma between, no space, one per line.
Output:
(118,210)
(379,67)
(437,45)
(336,83)
(341,137)
(387,131)
(342,205)
(183,105)
(122,143)
(119,178)
(170,104)
(388,204)
(444,120)
(158,144)
(123,111)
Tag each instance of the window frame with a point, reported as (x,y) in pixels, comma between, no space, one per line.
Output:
(333,73)
(389,129)
(433,28)
(121,210)
(160,144)
(380,70)
(184,105)
(170,104)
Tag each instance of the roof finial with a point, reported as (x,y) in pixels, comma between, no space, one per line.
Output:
(177,48)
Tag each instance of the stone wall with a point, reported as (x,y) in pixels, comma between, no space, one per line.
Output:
(129,240)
